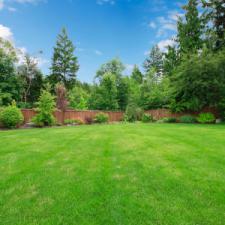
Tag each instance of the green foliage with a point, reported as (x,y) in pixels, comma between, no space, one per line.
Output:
(154,94)
(147,118)
(123,92)
(169,120)
(198,82)
(104,96)
(137,75)
(154,61)
(171,60)
(11,116)
(101,118)
(187,119)
(190,30)
(9,82)
(133,113)
(114,66)
(78,98)
(46,106)
(221,109)
(64,63)
(31,79)
(206,118)
(215,14)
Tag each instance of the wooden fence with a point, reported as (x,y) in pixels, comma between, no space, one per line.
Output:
(73,114)
(113,116)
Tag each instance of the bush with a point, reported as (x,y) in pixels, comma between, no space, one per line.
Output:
(73,122)
(169,120)
(24,105)
(101,118)
(187,119)
(206,118)
(11,116)
(46,107)
(42,120)
(89,120)
(147,118)
(133,113)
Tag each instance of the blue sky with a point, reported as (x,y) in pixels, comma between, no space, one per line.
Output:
(100,29)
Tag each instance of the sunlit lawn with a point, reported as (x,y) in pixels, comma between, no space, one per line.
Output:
(159,174)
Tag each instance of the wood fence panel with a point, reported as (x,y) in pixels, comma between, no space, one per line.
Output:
(113,116)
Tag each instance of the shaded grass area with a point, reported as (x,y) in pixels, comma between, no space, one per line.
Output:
(158,174)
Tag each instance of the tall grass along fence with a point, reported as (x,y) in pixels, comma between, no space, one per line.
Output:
(89,115)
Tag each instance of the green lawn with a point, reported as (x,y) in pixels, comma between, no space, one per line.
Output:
(159,174)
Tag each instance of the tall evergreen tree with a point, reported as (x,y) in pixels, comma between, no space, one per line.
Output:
(137,75)
(190,30)
(154,60)
(123,91)
(64,62)
(171,60)
(215,12)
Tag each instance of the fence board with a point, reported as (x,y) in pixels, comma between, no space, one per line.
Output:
(113,116)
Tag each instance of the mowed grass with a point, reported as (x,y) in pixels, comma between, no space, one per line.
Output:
(158,174)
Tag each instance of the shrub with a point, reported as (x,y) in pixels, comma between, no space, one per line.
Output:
(169,120)
(73,122)
(88,120)
(187,119)
(24,105)
(101,118)
(206,118)
(11,116)
(146,118)
(133,113)
(46,106)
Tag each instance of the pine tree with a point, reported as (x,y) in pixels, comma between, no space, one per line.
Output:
(123,91)
(154,60)
(64,63)
(171,60)
(190,30)
(137,75)
(215,12)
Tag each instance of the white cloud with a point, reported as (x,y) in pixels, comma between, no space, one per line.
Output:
(6,33)
(165,43)
(5,3)
(146,52)
(152,25)
(101,2)
(22,51)
(166,23)
(129,68)
(174,15)
(97,52)
(1,4)
(27,1)
(12,9)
